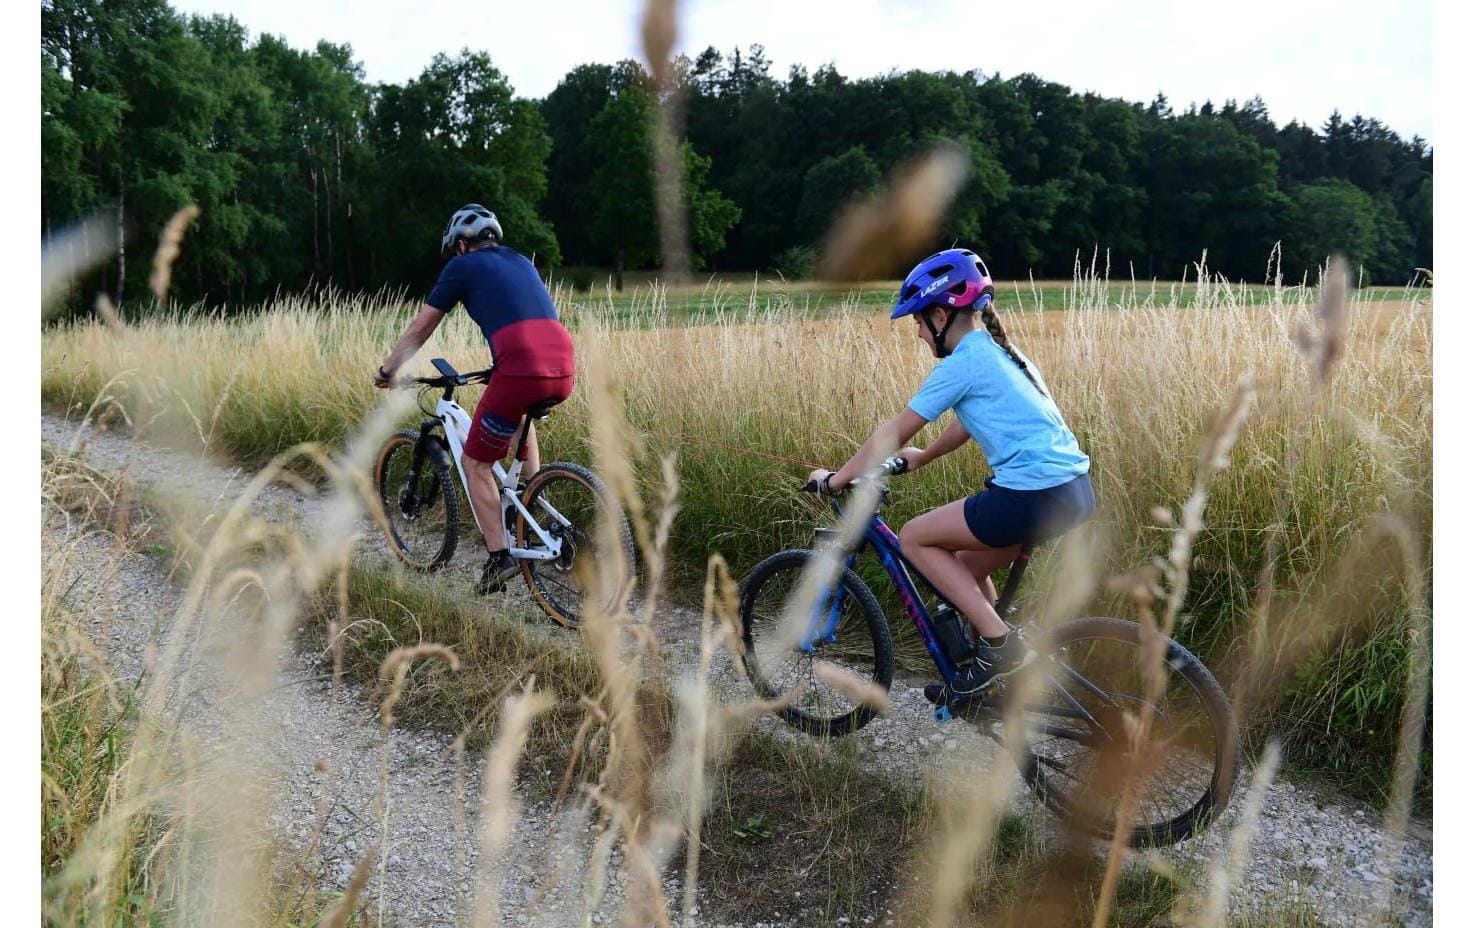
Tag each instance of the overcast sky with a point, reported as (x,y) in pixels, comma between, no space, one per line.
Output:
(1304,57)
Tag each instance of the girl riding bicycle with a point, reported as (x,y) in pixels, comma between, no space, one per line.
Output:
(1040,485)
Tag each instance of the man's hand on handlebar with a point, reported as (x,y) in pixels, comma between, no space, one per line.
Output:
(383,379)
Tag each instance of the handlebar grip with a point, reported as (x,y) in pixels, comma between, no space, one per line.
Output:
(811,487)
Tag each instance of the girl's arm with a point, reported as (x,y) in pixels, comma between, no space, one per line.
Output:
(884,440)
(415,335)
(954,436)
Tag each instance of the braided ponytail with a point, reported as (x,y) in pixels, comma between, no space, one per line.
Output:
(995,329)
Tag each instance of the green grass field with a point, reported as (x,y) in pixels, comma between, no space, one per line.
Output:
(646,299)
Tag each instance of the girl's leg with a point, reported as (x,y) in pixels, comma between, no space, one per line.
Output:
(981,565)
(932,541)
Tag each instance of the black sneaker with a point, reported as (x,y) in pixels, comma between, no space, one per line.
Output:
(935,693)
(500,568)
(988,666)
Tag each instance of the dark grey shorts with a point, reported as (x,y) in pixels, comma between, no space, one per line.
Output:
(1000,517)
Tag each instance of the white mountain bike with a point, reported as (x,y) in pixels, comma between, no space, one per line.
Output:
(550,524)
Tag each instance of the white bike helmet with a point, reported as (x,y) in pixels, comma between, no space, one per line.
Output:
(472,222)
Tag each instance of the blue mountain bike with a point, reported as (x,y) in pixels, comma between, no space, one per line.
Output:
(1089,706)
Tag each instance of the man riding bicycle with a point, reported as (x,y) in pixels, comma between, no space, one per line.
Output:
(531,350)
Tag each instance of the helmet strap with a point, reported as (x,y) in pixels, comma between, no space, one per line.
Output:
(939,336)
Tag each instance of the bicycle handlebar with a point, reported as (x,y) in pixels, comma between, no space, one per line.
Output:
(449,377)
(890,467)
(460,380)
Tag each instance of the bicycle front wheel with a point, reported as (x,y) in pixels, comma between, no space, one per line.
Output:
(845,627)
(1085,744)
(420,505)
(570,503)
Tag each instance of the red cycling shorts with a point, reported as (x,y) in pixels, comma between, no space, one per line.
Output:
(499,413)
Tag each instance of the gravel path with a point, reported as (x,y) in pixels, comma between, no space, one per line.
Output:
(1315,848)
(312,749)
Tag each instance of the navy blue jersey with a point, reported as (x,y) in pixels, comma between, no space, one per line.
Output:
(506,298)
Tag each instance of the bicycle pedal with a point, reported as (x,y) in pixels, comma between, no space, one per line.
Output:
(942,715)
(975,708)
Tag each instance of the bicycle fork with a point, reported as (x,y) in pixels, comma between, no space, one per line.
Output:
(410,502)
(823,623)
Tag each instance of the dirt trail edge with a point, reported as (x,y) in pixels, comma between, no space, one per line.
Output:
(1316,847)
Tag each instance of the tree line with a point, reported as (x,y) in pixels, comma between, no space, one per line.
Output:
(306,173)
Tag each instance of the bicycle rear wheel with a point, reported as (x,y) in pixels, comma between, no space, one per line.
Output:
(1184,770)
(569,502)
(420,506)
(858,641)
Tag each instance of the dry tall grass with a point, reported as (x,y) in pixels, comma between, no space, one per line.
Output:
(747,396)
(1360,450)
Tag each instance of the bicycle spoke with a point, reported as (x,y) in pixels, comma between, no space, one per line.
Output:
(416,514)
(550,578)
(841,639)
(567,506)
(1170,773)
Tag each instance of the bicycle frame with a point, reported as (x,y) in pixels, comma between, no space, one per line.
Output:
(1060,717)
(887,545)
(456,424)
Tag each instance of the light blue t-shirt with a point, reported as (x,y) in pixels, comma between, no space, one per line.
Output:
(1020,430)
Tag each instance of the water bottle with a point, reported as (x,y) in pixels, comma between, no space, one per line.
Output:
(955,635)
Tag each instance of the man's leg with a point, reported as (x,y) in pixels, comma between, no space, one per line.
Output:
(495,421)
(530,455)
(486,502)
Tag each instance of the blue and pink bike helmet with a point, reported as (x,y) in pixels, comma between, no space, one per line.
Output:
(955,279)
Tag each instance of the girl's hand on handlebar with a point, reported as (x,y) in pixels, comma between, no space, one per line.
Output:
(819,482)
(915,458)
